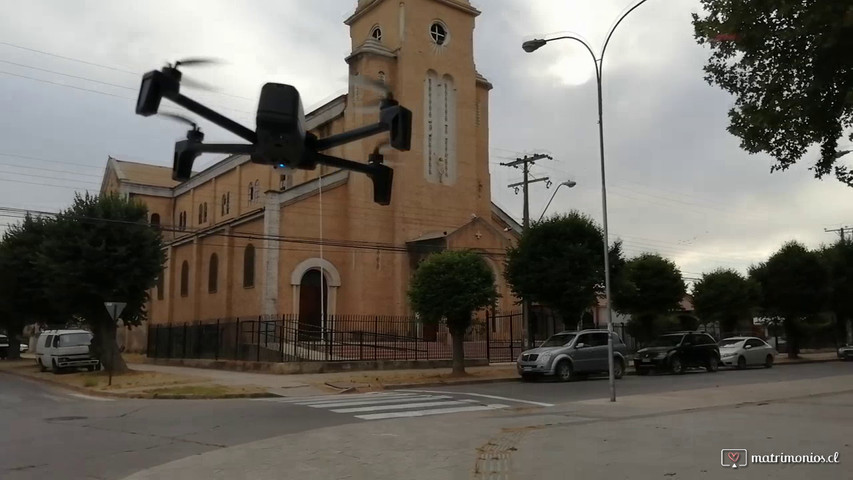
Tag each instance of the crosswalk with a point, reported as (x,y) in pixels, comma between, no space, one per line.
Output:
(386,405)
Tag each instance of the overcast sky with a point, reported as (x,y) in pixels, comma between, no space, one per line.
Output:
(678,183)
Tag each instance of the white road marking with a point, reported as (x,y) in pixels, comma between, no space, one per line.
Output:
(403,406)
(417,398)
(423,413)
(56,398)
(387,396)
(495,397)
(320,398)
(88,397)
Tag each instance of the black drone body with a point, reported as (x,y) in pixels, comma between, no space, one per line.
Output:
(280,139)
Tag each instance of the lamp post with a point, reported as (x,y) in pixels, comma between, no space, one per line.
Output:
(533,45)
(567,183)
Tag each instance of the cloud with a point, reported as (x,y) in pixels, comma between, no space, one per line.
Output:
(678,182)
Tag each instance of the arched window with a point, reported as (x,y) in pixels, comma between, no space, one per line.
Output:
(249,266)
(223,204)
(200,212)
(160,285)
(251,192)
(228,203)
(376,33)
(185,279)
(213,273)
(155,219)
(257,190)
(205,212)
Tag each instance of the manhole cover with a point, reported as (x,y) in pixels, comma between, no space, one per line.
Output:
(64,419)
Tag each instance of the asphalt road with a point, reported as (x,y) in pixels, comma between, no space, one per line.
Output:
(598,387)
(46,433)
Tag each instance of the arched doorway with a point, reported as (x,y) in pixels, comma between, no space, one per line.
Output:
(313,305)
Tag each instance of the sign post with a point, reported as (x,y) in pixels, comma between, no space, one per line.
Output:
(114,309)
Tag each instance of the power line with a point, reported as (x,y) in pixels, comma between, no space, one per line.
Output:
(115,69)
(68,75)
(66,85)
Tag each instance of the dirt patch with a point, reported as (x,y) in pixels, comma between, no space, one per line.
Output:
(137,384)
(379,380)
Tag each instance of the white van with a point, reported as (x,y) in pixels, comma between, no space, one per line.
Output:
(58,349)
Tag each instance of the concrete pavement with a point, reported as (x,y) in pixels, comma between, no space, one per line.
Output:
(670,434)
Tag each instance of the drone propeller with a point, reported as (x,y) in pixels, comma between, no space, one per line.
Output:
(378,86)
(179,118)
(195,61)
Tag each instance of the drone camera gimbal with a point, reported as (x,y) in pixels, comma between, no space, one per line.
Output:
(280,139)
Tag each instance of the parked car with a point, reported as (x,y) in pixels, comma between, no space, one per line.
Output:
(4,346)
(845,352)
(570,354)
(742,352)
(58,349)
(676,352)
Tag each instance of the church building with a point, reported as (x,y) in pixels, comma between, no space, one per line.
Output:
(248,240)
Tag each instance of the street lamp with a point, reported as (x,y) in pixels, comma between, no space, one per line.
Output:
(533,45)
(567,183)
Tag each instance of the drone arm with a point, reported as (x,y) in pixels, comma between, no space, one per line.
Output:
(382,175)
(350,136)
(214,117)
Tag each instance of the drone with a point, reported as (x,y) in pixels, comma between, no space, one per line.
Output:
(280,139)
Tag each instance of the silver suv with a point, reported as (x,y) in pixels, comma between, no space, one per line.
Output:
(570,354)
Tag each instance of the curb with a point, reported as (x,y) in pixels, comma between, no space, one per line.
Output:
(392,386)
(152,396)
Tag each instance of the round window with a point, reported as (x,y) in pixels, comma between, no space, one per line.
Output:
(438,33)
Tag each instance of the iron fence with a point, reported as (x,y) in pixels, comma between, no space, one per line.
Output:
(289,338)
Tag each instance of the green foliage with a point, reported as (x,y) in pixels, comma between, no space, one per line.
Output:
(23,297)
(648,289)
(559,262)
(838,260)
(451,286)
(794,287)
(727,297)
(789,66)
(102,249)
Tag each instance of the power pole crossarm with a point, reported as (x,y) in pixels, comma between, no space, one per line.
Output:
(841,231)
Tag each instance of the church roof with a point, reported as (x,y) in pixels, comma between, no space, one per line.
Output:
(143,173)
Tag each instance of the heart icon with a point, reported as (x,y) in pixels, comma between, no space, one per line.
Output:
(733,456)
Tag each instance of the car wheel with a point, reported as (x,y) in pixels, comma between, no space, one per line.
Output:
(642,371)
(527,377)
(42,368)
(54,368)
(768,362)
(741,363)
(618,368)
(564,371)
(713,364)
(676,366)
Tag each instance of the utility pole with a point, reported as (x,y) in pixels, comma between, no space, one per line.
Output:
(525,164)
(841,231)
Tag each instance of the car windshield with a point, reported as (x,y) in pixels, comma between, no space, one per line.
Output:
(75,339)
(666,341)
(558,340)
(730,342)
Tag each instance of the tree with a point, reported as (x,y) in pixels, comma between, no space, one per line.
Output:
(451,286)
(788,63)
(559,262)
(102,249)
(648,289)
(794,287)
(727,297)
(23,297)
(838,260)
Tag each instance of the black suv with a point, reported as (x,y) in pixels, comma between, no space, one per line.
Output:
(676,352)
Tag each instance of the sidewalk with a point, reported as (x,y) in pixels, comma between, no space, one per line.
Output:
(654,436)
(371,380)
(331,383)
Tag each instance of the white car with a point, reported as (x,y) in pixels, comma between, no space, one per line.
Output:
(58,349)
(742,352)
